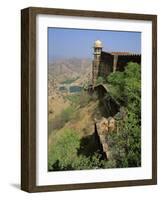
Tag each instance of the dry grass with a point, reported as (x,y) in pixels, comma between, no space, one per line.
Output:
(83,123)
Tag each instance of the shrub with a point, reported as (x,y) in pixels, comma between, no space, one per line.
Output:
(60,120)
(66,114)
(64,154)
(79,100)
(100,80)
(125,145)
(64,151)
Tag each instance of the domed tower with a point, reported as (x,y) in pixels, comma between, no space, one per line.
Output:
(96,62)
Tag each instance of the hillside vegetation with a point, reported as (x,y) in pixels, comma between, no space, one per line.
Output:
(72,144)
(126,143)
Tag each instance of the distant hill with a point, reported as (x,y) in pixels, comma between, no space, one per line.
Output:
(63,69)
(74,71)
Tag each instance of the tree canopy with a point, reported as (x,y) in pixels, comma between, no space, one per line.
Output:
(126,142)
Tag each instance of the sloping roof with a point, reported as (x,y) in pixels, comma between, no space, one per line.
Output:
(124,53)
(120,53)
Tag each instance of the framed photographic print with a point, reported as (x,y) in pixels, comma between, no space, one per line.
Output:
(88,99)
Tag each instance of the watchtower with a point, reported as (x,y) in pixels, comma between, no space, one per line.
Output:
(96,61)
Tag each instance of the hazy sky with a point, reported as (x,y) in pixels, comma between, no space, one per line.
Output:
(78,43)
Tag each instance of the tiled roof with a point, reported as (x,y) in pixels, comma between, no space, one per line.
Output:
(124,53)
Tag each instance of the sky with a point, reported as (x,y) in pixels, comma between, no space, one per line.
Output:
(78,43)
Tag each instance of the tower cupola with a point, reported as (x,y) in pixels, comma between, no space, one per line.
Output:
(97,47)
(98,44)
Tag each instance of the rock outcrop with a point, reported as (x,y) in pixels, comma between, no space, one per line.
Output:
(104,127)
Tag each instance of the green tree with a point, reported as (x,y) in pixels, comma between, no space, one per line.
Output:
(66,115)
(100,80)
(126,86)
(125,145)
(64,151)
(64,154)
